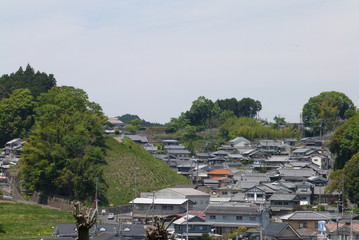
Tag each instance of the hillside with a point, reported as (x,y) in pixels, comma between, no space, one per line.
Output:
(22,221)
(130,167)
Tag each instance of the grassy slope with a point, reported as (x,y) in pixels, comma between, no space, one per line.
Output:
(127,163)
(21,221)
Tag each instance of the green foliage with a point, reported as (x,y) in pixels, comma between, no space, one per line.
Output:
(16,115)
(207,114)
(22,221)
(252,129)
(278,121)
(131,167)
(205,236)
(37,82)
(346,179)
(63,152)
(345,141)
(351,173)
(324,110)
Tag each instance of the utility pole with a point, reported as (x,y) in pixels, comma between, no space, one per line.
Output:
(187,219)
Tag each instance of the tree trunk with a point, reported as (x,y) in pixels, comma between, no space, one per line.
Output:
(83,233)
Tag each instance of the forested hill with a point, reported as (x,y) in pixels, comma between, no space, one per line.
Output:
(129,167)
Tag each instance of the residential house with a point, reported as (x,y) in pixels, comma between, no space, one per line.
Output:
(270,146)
(295,175)
(181,154)
(283,203)
(216,161)
(304,152)
(305,192)
(240,142)
(228,216)
(306,219)
(142,140)
(169,142)
(290,141)
(160,207)
(343,231)
(195,226)
(280,231)
(321,160)
(200,199)
(219,173)
(13,147)
(150,148)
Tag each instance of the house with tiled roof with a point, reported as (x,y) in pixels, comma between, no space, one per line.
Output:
(219,173)
(342,230)
(282,231)
(307,219)
(280,202)
(228,216)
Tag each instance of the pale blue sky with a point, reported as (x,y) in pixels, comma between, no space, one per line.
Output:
(153,58)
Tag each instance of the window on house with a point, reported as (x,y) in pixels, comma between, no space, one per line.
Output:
(285,203)
(224,193)
(212,217)
(239,218)
(225,217)
(302,225)
(201,228)
(252,218)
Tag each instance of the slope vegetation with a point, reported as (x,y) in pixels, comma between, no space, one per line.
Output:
(130,170)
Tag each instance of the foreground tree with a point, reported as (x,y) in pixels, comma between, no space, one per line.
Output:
(85,219)
(322,112)
(63,153)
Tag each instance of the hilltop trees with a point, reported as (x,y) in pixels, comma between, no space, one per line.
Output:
(18,93)
(64,150)
(322,112)
(37,82)
(205,113)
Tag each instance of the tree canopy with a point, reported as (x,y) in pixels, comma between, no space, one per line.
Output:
(37,82)
(204,113)
(16,115)
(344,143)
(322,112)
(347,180)
(64,150)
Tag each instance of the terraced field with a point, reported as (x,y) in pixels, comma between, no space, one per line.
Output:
(130,170)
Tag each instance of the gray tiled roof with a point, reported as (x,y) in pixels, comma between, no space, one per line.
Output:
(308,215)
(232,208)
(283,197)
(274,229)
(290,172)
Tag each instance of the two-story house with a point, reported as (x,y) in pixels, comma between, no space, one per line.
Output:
(228,216)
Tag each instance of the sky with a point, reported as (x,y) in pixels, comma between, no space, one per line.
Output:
(153,58)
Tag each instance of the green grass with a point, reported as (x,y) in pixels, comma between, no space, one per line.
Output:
(130,167)
(21,221)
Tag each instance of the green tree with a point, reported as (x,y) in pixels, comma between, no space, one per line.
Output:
(200,112)
(347,179)
(64,151)
(37,82)
(278,121)
(248,107)
(321,112)
(344,143)
(16,115)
